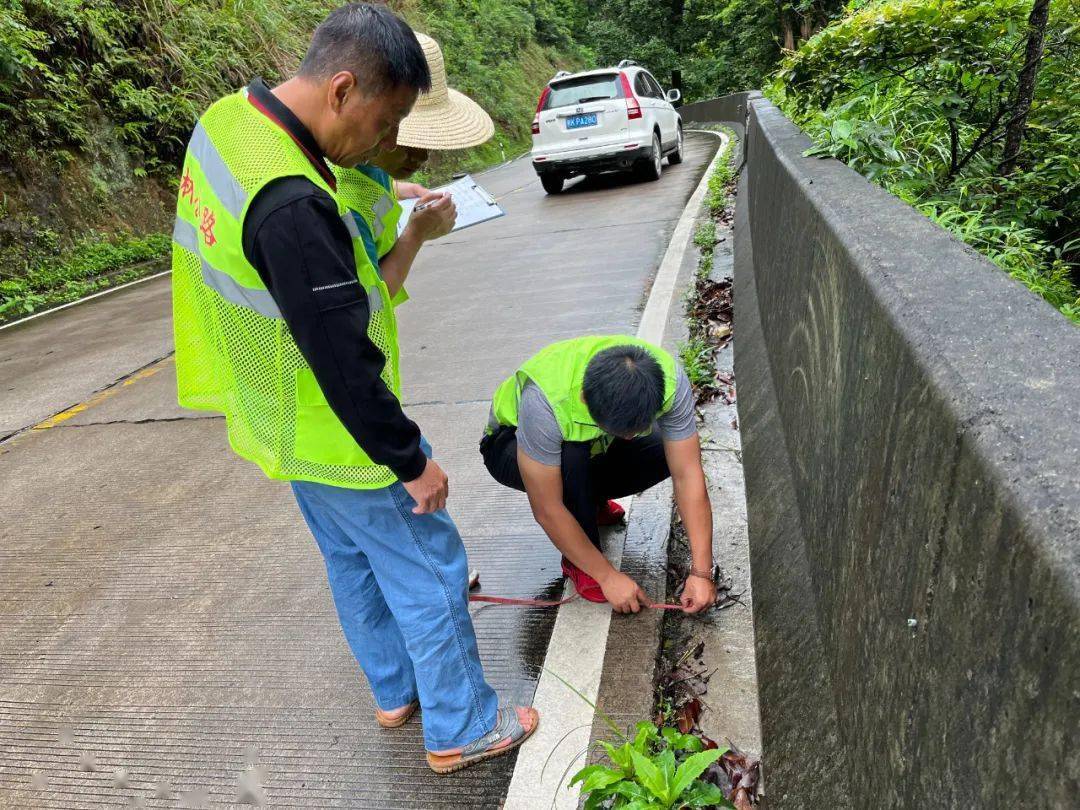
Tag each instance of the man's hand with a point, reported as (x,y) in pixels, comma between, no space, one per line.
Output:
(436,219)
(698,593)
(430,490)
(624,595)
(406,191)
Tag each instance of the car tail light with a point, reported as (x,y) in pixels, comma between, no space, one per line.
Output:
(543,98)
(539,107)
(633,108)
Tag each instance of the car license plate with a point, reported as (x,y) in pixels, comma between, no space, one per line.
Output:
(578,121)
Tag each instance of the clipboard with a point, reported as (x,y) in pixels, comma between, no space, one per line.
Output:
(474,204)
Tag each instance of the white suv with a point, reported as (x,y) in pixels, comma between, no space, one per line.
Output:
(612,119)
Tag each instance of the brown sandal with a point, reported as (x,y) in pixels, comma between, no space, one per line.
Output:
(384,719)
(507,726)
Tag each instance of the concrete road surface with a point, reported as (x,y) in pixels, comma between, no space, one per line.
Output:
(165,623)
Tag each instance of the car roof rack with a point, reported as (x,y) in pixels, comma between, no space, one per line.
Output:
(625,63)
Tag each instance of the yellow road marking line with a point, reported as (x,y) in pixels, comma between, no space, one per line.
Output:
(100,397)
(514,190)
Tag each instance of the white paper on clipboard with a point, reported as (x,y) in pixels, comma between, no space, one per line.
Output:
(474,204)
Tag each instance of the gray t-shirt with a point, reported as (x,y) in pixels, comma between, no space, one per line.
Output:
(538,432)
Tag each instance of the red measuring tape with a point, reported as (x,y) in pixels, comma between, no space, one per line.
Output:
(549,603)
(474,582)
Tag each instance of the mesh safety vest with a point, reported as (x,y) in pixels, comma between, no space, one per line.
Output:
(369,192)
(559,371)
(234,353)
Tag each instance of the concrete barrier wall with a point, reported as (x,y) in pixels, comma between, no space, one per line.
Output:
(911,435)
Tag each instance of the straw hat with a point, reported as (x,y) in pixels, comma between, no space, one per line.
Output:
(443,118)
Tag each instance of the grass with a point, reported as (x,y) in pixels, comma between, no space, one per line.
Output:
(92,265)
(696,355)
(722,180)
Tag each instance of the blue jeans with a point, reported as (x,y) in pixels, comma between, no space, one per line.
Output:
(400,584)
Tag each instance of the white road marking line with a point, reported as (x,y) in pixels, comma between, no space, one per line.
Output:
(84,300)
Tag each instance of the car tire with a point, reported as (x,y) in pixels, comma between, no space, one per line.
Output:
(552,183)
(675,158)
(654,164)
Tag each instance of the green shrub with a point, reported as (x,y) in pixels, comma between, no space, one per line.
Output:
(93,264)
(915,95)
(658,769)
(696,356)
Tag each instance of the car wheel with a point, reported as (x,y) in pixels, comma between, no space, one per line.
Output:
(675,158)
(552,183)
(654,164)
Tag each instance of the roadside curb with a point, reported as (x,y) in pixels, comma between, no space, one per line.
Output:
(579,639)
(69,304)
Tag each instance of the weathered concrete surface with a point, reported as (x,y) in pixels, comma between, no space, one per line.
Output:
(627,688)
(166,602)
(730,110)
(913,469)
(83,349)
(798,723)
(730,710)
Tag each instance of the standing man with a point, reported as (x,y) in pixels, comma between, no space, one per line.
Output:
(442,119)
(594,418)
(280,325)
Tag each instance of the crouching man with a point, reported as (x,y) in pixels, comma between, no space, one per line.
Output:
(590,419)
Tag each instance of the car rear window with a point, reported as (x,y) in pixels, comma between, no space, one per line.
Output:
(583,88)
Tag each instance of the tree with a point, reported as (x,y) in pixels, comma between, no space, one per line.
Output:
(1025,90)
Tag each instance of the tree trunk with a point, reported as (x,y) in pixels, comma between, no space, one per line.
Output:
(787,26)
(678,9)
(1025,88)
(788,29)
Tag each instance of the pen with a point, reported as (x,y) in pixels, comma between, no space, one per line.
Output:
(423,206)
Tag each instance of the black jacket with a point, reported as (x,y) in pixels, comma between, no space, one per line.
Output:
(303,252)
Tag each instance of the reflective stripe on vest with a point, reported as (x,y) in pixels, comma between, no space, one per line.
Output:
(259,300)
(185,235)
(369,191)
(383,207)
(234,352)
(217,174)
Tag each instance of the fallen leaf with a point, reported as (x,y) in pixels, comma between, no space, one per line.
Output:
(688,714)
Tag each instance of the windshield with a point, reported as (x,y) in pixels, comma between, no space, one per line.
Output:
(583,88)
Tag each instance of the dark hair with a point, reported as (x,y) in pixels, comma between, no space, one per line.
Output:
(624,389)
(373,44)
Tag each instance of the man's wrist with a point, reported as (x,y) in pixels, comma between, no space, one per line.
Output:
(703,573)
(607,575)
(413,468)
(412,235)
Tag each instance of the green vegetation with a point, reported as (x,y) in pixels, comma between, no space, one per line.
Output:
(922,96)
(100,97)
(659,769)
(722,180)
(926,97)
(91,265)
(719,46)
(697,353)
(696,356)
